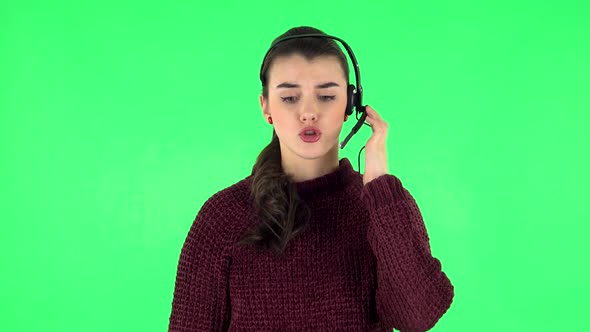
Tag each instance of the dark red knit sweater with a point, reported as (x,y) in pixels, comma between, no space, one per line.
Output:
(364,264)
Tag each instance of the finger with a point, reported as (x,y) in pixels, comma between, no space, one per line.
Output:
(372,115)
(378,125)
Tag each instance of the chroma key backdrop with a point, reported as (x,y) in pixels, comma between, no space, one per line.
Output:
(119,119)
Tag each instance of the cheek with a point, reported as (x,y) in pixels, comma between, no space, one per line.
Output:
(341,107)
(342,103)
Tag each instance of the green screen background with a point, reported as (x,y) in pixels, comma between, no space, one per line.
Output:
(119,119)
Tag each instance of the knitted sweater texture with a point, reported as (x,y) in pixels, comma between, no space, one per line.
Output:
(363,264)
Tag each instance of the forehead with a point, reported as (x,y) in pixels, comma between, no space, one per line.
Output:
(296,67)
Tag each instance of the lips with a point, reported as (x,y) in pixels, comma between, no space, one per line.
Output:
(310,138)
(312,128)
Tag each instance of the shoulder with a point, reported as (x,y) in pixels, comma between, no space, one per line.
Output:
(226,210)
(231,197)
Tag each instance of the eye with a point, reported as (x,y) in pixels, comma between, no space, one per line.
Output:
(327,98)
(288,100)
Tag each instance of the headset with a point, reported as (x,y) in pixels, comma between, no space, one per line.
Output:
(354,94)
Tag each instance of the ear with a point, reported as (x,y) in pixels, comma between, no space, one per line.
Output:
(263,106)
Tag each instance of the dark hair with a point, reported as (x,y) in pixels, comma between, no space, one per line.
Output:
(282,212)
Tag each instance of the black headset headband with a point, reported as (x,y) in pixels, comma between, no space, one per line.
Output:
(358,87)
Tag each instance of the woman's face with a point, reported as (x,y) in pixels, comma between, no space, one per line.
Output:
(304,93)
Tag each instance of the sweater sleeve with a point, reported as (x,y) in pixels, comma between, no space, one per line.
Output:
(201,293)
(412,290)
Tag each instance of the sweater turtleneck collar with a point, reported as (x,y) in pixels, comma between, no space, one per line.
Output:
(333,181)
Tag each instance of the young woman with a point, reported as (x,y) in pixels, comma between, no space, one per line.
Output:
(305,243)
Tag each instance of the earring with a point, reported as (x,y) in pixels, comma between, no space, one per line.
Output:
(345,118)
(269,119)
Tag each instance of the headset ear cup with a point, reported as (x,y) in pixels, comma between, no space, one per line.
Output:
(350,99)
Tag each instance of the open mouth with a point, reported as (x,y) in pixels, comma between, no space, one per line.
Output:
(310,136)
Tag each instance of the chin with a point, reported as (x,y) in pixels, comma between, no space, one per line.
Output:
(313,150)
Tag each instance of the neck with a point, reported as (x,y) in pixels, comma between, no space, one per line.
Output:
(301,169)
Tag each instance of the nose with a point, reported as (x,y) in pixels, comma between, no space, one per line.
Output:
(305,116)
(309,111)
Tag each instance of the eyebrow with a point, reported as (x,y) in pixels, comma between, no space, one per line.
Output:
(319,86)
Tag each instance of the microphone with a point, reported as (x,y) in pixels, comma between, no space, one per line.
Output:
(356,127)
